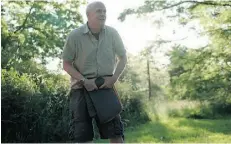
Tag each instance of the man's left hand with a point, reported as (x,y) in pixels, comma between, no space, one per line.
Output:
(109,82)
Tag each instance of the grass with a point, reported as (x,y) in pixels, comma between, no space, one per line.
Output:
(179,130)
(169,124)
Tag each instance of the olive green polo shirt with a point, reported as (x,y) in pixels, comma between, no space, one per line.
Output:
(92,57)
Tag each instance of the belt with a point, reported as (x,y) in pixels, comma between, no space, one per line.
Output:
(98,76)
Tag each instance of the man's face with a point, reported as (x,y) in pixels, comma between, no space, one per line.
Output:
(98,14)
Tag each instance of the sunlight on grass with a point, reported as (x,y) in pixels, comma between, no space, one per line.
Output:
(163,128)
(180,130)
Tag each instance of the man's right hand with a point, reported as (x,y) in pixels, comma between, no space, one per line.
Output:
(90,84)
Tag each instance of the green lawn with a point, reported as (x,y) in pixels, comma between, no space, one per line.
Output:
(180,130)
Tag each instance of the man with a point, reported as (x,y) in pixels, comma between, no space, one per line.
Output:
(90,52)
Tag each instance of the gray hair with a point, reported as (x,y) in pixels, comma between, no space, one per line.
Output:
(91,6)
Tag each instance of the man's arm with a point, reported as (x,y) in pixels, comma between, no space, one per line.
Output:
(121,54)
(120,51)
(120,67)
(69,55)
(88,84)
(110,81)
(67,66)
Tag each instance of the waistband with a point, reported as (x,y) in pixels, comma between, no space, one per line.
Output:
(98,76)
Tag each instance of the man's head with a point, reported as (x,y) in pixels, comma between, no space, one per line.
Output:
(96,13)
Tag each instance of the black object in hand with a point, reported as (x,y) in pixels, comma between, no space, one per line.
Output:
(99,81)
(105,101)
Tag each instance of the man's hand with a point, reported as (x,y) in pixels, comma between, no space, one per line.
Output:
(109,82)
(90,84)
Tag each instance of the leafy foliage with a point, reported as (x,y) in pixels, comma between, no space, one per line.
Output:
(202,74)
(35,30)
(34,112)
(34,101)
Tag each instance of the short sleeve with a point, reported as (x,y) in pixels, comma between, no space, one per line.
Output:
(69,50)
(118,45)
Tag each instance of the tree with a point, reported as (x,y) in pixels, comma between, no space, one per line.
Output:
(202,74)
(34,101)
(35,30)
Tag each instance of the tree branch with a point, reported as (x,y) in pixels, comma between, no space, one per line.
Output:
(25,21)
(166,41)
(214,30)
(196,2)
(150,6)
(7,39)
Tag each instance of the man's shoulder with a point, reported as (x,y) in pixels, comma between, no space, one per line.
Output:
(110,29)
(77,31)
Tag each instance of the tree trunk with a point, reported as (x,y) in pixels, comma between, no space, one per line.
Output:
(149,79)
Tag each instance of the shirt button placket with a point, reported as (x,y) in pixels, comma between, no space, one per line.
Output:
(97,63)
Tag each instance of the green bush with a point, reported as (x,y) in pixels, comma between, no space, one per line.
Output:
(133,107)
(202,111)
(36,109)
(222,107)
(31,112)
(197,75)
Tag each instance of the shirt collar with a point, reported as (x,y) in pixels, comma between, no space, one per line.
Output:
(87,30)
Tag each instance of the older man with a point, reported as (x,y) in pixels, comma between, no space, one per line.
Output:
(90,51)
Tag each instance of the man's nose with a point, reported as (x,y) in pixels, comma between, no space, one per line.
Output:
(102,13)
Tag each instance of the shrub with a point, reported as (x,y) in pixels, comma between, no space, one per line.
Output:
(133,108)
(33,113)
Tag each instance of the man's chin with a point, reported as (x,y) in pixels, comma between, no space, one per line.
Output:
(102,23)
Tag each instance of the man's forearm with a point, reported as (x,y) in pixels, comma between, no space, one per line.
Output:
(67,66)
(120,66)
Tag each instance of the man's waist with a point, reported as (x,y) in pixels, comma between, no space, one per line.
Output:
(88,77)
(76,85)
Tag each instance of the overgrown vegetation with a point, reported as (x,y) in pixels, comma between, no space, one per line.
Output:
(38,111)
(197,74)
